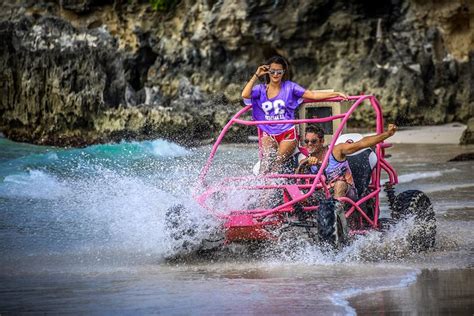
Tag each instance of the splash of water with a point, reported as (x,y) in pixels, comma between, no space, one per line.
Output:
(103,210)
(95,202)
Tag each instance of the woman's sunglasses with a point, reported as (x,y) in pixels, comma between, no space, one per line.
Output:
(276,72)
(312,141)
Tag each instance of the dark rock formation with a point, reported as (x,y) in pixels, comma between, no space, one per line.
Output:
(77,72)
(70,88)
(467,137)
(56,81)
(463,157)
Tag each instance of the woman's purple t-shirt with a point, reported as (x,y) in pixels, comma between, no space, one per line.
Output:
(281,107)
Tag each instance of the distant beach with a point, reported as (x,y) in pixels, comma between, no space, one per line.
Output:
(438,134)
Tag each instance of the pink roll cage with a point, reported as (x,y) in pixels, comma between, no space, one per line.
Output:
(293,192)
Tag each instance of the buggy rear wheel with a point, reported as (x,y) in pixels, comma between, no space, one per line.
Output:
(416,203)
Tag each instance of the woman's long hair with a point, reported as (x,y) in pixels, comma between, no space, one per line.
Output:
(277,59)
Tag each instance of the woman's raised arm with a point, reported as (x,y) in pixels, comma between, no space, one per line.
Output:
(321,95)
(247,92)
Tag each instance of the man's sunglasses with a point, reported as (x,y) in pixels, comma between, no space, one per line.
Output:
(312,141)
(276,72)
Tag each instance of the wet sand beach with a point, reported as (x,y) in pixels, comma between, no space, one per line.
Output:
(435,292)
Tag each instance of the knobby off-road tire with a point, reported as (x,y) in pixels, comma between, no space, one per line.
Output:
(179,227)
(416,203)
(187,236)
(331,228)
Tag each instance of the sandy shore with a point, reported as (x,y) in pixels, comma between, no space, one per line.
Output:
(439,134)
(433,134)
(435,292)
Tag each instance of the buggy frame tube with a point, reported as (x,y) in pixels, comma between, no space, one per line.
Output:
(382,164)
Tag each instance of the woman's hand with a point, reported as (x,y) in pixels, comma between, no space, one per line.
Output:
(342,95)
(261,70)
(247,91)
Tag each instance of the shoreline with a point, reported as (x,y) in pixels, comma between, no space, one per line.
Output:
(450,133)
(434,292)
(343,299)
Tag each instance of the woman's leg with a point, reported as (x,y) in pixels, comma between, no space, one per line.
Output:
(285,150)
(269,149)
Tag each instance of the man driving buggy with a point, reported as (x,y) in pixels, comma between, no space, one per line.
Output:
(338,172)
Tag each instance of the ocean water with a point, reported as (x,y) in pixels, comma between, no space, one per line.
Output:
(83,231)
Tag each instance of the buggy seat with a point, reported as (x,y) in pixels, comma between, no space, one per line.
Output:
(361,162)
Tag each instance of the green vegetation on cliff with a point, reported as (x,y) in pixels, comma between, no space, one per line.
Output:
(163,5)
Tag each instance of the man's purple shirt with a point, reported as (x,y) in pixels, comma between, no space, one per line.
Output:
(281,107)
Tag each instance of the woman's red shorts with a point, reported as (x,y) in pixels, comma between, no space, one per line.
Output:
(288,135)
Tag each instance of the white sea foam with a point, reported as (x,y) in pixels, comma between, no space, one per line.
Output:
(164,148)
(446,187)
(442,207)
(340,298)
(52,156)
(32,184)
(416,165)
(409,177)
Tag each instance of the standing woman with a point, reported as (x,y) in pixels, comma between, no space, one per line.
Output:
(275,101)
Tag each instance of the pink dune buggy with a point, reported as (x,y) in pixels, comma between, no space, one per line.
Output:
(304,207)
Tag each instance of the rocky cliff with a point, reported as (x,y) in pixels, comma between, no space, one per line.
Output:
(75,72)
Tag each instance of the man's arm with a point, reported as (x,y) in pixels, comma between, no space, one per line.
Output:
(342,150)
